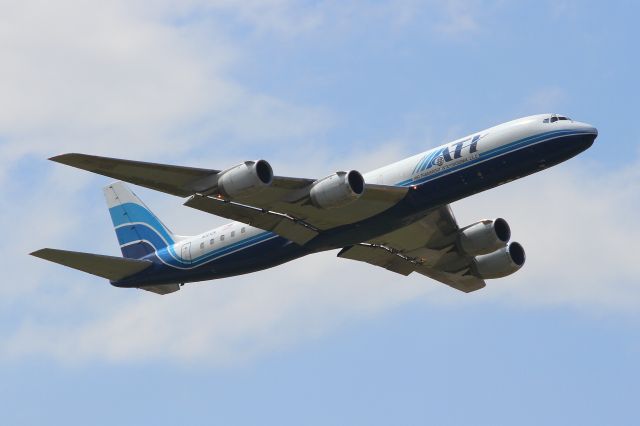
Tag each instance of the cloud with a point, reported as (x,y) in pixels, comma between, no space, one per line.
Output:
(459,17)
(83,77)
(575,222)
(224,322)
(547,99)
(135,81)
(330,18)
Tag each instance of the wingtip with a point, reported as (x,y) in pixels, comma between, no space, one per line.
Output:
(39,253)
(62,157)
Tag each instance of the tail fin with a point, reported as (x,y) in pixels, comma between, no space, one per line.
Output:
(139,231)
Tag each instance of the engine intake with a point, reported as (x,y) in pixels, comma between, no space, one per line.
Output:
(245,179)
(484,237)
(502,262)
(337,190)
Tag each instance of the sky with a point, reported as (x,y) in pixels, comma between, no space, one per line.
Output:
(315,87)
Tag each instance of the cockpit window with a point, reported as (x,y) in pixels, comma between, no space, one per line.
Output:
(554,118)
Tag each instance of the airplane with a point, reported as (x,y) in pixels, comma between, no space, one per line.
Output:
(396,217)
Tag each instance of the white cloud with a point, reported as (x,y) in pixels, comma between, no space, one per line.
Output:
(576,223)
(226,321)
(546,99)
(121,79)
(80,76)
(460,17)
(290,18)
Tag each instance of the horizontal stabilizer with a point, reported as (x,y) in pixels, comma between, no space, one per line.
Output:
(109,267)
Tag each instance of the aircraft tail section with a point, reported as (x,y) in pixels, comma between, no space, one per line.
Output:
(139,231)
(109,267)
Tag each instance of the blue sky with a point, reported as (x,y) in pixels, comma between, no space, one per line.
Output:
(314,87)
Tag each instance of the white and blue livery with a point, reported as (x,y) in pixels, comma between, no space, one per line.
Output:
(396,217)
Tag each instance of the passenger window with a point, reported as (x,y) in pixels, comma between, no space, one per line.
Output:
(242,230)
(221,237)
(233,234)
(211,242)
(201,246)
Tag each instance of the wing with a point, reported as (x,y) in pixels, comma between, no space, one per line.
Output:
(293,216)
(427,247)
(283,207)
(175,180)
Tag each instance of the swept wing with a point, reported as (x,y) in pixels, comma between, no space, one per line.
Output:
(427,246)
(283,207)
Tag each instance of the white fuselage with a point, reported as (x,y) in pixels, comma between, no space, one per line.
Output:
(415,170)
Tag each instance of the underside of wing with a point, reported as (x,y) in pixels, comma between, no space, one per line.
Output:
(175,180)
(374,200)
(280,224)
(298,219)
(295,208)
(436,247)
(396,262)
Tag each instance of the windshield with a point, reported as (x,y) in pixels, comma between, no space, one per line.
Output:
(556,117)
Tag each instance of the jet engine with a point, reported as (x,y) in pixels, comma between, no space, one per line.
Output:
(501,262)
(245,179)
(337,190)
(484,237)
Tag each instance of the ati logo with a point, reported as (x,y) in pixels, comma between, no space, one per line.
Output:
(443,155)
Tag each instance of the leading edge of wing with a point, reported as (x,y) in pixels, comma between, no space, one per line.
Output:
(175,180)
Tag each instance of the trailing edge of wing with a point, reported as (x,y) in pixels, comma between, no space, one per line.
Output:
(269,221)
(463,282)
(379,257)
(109,267)
(175,180)
(385,258)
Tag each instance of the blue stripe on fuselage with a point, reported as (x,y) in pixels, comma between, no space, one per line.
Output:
(512,146)
(185,270)
(166,255)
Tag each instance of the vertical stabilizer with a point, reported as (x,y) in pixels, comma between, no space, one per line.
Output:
(138,230)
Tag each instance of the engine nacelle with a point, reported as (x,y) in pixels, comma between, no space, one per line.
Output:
(502,262)
(484,237)
(337,190)
(245,179)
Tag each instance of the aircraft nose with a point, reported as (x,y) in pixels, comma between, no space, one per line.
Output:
(591,129)
(588,128)
(589,135)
